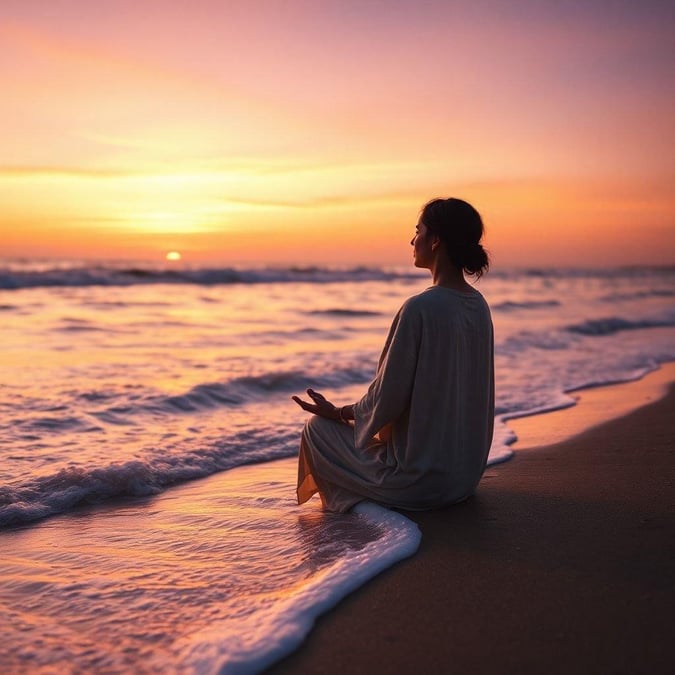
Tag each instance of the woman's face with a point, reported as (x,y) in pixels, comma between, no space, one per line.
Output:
(423,251)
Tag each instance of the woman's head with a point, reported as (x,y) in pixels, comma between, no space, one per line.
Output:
(460,228)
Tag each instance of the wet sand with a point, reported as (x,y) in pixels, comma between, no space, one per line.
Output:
(564,562)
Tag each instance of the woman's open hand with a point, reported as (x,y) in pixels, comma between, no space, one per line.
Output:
(321,405)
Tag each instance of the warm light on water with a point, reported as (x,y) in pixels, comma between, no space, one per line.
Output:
(122,382)
(197,577)
(191,378)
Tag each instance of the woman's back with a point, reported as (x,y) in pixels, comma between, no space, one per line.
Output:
(435,379)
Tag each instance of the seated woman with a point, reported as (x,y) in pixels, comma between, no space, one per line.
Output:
(421,434)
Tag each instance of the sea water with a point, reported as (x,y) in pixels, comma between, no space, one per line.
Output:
(122,383)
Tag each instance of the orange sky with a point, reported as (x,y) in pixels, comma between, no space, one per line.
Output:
(312,132)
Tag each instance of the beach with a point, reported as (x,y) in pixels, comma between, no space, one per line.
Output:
(148,519)
(212,212)
(563,561)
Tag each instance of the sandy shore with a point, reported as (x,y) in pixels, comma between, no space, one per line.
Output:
(563,563)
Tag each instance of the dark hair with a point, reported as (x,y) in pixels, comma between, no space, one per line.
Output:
(460,228)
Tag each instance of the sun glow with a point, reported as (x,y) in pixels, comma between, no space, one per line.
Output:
(173,256)
(222,143)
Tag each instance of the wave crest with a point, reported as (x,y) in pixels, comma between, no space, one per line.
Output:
(615,324)
(239,391)
(509,305)
(76,485)
(115,275)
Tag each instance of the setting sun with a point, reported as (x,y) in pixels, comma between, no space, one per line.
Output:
(173,255)
(223,142)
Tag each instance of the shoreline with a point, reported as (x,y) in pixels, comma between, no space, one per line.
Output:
(593,405)
(494,550)
(562,562)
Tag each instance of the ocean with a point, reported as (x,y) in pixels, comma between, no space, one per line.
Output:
(124,383)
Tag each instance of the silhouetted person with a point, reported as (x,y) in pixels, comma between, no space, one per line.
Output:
(422,432)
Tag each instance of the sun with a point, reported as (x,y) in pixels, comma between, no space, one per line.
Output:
(173,256)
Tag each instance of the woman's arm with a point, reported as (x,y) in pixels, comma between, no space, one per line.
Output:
(388,395)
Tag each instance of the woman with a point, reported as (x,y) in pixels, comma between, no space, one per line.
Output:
(421,434)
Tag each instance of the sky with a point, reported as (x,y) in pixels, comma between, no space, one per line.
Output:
(312,132)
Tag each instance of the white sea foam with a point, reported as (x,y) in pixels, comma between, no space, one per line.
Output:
(249,643)
(226,574)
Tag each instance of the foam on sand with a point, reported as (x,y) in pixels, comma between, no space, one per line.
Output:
(595,407)
(249,644)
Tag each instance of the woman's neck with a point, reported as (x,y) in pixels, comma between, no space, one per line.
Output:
(445,274)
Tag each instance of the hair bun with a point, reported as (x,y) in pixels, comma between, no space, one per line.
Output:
(476,260)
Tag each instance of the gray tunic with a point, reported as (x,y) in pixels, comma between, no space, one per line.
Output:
(423,430)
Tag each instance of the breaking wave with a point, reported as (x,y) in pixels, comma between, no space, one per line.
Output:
(509,305)
(613,324)
(117,275)
(61,491)
(238,391)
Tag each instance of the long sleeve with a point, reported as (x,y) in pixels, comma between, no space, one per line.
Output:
(388,396)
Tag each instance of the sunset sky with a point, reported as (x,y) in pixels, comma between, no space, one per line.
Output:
(312,131)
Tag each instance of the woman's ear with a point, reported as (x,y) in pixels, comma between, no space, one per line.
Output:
(435,243)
